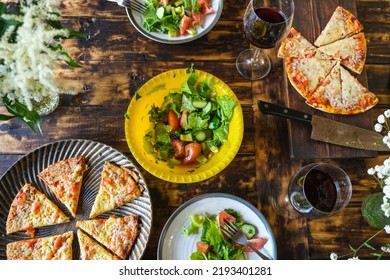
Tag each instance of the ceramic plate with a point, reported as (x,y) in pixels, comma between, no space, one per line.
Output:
(175,246)
(26,169)
(211,20)
(137,123)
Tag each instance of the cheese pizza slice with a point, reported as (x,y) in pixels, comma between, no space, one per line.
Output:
(328,96)
(342,24)
(295,45)
(32,209)
(356,98)
(117,234)
(118,185)
(92,250)
(65,178)
(306,73)
(350,51)
(57,247)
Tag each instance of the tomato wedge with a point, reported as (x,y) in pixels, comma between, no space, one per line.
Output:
(185,23)
(173,121)
(223,215)
(203,247)
(179,148)
(192,152)
(257,242)
(164,2)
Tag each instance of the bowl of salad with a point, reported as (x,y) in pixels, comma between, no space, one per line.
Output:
(193,231)
(176,21)
(184,125)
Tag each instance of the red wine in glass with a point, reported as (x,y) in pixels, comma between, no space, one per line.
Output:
(267,29)
(320,190)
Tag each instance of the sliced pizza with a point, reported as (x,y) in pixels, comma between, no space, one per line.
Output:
(350,51)
(295,45)
(328,96)
(65,178)
(342,24)
(32,209)
(118,234)
(92,250)
(306,73)
(119,185)
(57,247)
(356,98)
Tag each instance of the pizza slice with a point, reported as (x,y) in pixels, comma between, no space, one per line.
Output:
(57,247)
(295,45)
(119,185)
(356,97)
(65,178)
(350,51)
(32,209)
(92,250)
(306,73)
(342,24)
(328,95)
(117,234)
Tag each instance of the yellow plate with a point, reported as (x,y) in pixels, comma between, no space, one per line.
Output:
(153,92)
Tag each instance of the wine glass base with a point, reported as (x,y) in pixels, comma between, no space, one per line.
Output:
(253,64)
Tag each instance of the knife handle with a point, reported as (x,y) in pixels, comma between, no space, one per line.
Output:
(273,109)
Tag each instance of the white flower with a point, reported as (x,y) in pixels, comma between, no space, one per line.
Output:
(387,113)
(386,249)
(381,119)
(371,171)
(387,229)
(386,190)
(386,208)
(378,127)
(333,256)
(354,258)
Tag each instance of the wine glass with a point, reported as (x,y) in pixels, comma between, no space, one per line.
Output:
(266,22)
(316,191)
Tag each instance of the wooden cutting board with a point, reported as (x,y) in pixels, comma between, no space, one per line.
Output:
(310,18)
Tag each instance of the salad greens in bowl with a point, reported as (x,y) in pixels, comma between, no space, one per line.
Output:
(184,125)
(193,231)
(176,21)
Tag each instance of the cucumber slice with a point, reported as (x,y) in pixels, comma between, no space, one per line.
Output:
(186,137)
(199,103)
(249,230)
(200,135)
(160,12)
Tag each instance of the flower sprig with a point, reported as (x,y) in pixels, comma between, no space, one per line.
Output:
(382,174)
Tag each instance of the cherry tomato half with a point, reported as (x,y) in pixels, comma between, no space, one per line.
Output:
(173,121)
(192,151)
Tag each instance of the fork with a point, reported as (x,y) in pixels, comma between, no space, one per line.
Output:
(133,5)
(238,236)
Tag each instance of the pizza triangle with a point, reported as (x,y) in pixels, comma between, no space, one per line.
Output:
(295,45)
(57,247)
(306,73)
(91,249)
(117,234)
(65,178)
(118,185)
(356,97)
(32,209)
(350,51)
(342,24)
(328,96)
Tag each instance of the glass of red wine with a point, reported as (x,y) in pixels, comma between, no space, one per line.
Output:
(266,23)
(319,190)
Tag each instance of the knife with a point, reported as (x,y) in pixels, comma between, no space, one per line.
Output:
(330,131)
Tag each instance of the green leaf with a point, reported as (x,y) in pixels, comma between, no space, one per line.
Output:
(5,117)
(352,249)
(19,110)
(68,59)
(365,244)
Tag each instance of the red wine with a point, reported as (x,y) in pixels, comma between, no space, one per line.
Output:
(320,190)
(266,29)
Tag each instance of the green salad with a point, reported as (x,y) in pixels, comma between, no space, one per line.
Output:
(191,124)
(176,17)
(213,244)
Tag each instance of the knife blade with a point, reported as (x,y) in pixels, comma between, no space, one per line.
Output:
(330,131)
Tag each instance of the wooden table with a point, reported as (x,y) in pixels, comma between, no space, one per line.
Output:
(117,60)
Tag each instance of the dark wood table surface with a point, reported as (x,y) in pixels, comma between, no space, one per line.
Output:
(117,60)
